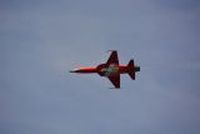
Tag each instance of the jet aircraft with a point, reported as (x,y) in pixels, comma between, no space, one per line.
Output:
(111,69)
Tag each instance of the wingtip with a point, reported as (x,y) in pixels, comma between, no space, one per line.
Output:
(117,88)
(110,50)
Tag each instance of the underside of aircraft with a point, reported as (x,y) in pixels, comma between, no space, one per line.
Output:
(112,69)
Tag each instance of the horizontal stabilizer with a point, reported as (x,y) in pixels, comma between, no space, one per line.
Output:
(131,69)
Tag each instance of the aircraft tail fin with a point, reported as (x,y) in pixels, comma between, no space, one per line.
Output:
(131,69)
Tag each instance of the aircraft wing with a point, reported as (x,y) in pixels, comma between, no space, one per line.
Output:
(113,59)
(115,80)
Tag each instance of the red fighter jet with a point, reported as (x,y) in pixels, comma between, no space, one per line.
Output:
(111,69)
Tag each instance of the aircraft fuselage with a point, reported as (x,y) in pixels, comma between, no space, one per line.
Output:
(106,71)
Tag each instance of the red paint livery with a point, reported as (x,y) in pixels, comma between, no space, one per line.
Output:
(111,69)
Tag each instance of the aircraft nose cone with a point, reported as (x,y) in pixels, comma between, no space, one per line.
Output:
(72,71)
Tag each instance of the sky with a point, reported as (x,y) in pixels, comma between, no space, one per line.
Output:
(41,40)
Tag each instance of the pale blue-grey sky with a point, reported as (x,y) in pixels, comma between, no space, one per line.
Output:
(41,40)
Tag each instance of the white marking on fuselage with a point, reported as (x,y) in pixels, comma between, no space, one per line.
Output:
(112,69)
